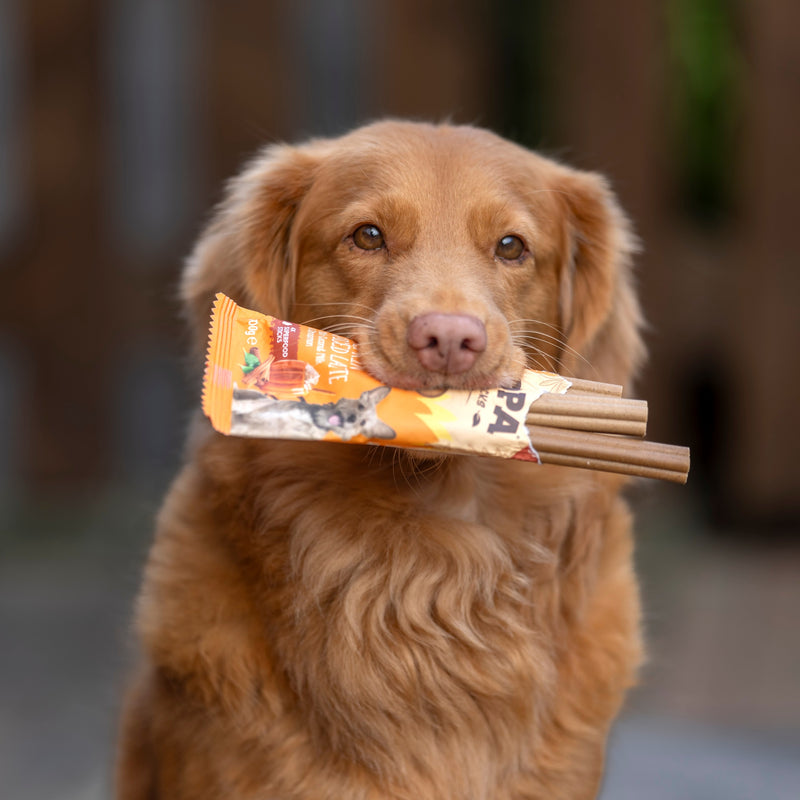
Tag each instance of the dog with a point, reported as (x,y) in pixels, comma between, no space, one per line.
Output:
(254,413)
(337,621)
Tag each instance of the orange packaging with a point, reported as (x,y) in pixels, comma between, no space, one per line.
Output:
(275,379)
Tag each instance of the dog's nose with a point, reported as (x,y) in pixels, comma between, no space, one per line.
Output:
(447,342)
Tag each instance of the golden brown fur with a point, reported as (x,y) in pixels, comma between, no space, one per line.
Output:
(340,621)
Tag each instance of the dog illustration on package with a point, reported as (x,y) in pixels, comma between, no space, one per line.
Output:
(254,413)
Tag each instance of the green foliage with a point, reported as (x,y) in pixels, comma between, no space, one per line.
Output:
(706,72)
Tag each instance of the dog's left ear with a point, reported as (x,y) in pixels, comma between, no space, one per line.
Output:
(600,313)
(244,251)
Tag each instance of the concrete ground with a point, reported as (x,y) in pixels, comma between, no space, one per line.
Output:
(717,716)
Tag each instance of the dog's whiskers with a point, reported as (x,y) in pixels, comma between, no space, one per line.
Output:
(342,318)
(410,473)
(520,362)
(527,338)
(339,321)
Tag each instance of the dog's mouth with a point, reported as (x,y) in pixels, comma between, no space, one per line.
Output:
(440,352)
(437,382)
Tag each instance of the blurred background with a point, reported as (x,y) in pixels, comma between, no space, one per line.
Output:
(120,120)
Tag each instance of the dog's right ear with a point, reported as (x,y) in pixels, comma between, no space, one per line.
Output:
(244,251)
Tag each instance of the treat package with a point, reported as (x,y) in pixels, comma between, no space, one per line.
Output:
(271,378)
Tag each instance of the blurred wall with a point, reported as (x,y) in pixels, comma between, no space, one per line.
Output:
(119,121)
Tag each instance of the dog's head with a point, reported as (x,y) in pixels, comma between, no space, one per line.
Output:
(452,256)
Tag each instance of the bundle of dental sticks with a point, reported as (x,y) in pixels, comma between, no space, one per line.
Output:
(593,427)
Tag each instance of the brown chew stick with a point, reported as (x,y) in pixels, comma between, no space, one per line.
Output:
(599,446)
(600,406)
(594,424)
(636,470)
(581,385)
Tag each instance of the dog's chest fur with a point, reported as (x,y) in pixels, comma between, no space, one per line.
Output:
(415,611)
(415,620)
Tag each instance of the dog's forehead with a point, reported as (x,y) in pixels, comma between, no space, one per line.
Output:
(427,164)
(416,156)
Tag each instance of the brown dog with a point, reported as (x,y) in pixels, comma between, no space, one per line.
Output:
(343,621)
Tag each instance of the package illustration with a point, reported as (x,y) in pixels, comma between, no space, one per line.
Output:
(271,378)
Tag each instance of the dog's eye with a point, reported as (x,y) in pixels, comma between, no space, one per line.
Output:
(510,248)
(368,237)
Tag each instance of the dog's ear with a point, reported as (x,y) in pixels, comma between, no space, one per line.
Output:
(378,429)
(600,314)
(377,394)
(244,251)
